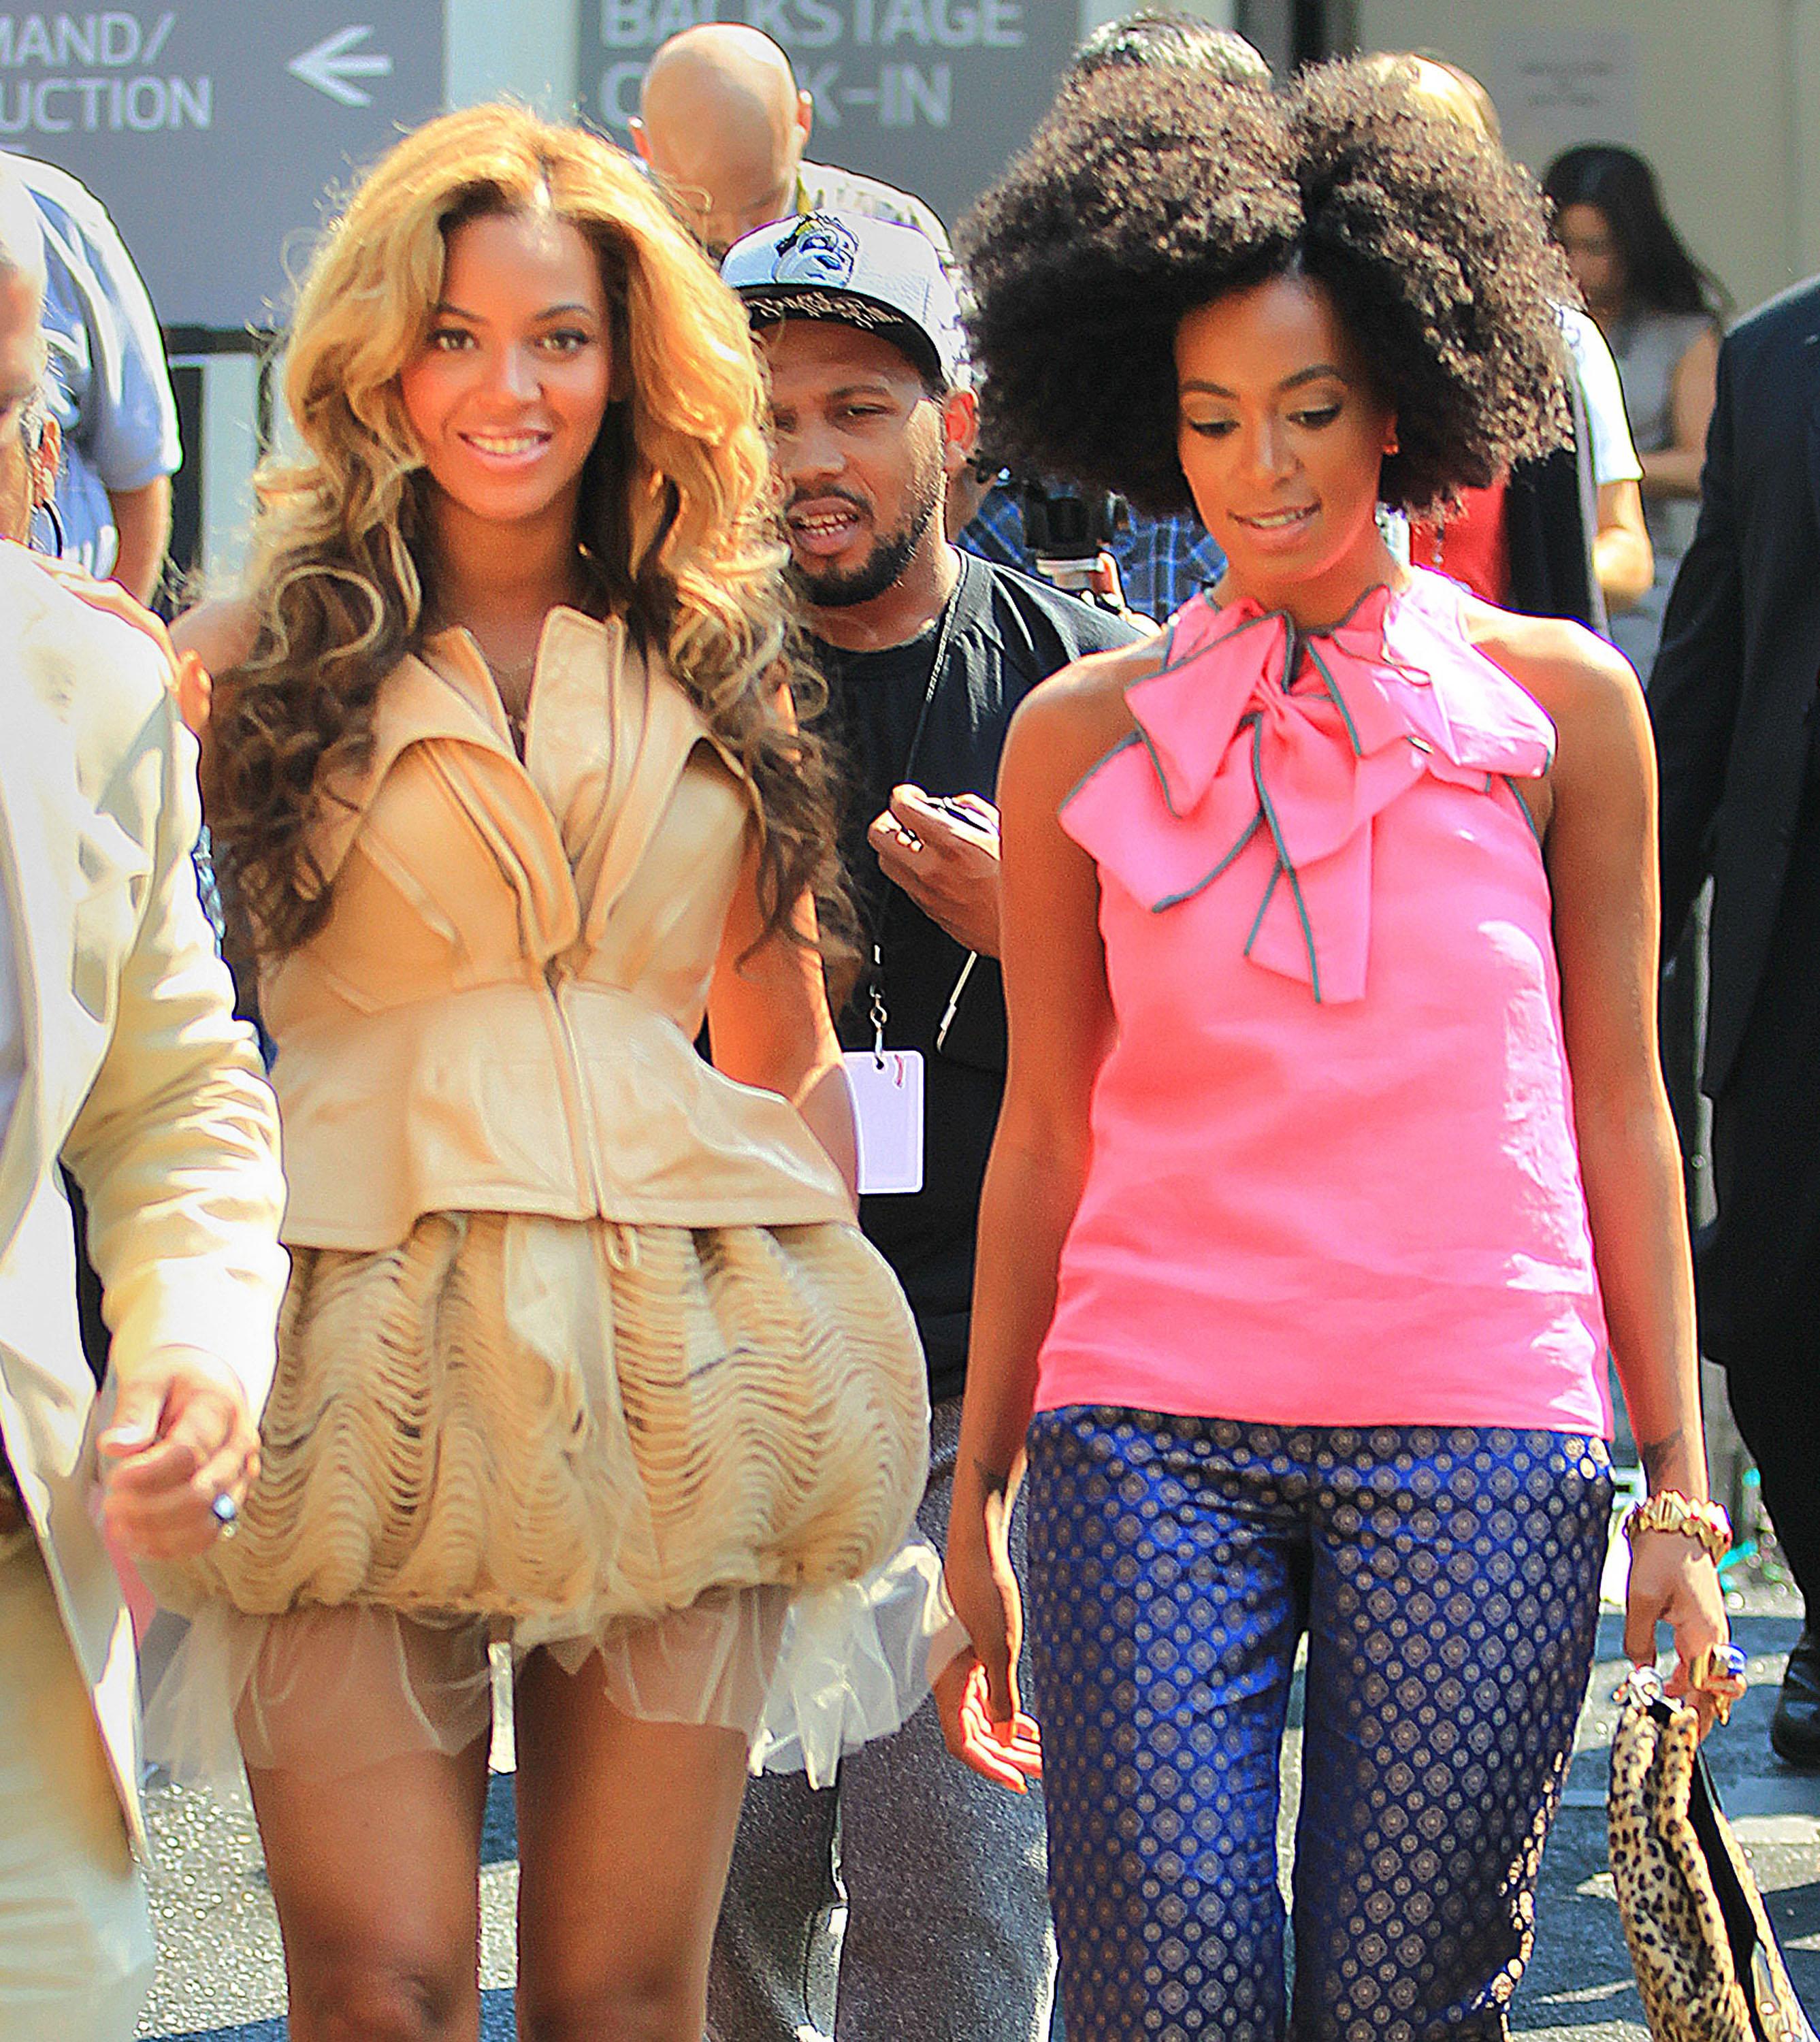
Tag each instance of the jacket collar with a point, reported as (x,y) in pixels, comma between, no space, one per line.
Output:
(443,693)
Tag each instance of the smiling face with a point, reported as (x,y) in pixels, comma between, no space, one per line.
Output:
(1281,436)
(861,451)
(508,391)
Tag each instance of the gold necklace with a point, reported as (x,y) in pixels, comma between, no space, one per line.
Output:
(507,677)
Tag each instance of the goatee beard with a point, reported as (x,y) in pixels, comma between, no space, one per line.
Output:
(874,575)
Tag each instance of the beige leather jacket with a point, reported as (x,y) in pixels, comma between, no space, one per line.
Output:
(500,1012)
(136,1073)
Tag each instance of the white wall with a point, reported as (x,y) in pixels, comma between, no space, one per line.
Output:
(527,48)
(1722,96)
(522,49)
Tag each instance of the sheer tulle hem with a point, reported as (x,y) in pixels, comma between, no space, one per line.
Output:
(326,1690)
(856,1663)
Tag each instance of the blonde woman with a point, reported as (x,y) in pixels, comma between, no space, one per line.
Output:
(583,1350)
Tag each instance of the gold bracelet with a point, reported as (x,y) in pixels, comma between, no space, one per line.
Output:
(1668,1510)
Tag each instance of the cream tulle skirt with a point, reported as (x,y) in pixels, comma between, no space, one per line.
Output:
(684,1459)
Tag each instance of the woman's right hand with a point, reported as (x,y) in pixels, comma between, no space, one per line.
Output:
(977,1692)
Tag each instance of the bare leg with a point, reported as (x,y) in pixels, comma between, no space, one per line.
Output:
(376,1879)
(625,1829)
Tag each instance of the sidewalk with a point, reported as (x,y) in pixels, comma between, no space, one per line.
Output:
(221,1979)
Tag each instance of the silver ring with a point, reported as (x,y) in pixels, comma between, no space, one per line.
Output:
(226,1512)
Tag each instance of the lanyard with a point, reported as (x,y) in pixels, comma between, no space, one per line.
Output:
(877,1011)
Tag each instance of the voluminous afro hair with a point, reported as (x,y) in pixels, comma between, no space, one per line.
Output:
(1145,194)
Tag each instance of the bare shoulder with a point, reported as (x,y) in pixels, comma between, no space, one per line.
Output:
(221,633)
(1583,683)
(1070,721)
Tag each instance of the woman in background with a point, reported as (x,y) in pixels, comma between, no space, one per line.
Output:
(1660,313)
(1563,535)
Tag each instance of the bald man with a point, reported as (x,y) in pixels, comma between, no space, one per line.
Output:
(723,125)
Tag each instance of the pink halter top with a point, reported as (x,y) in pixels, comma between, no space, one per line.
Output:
(1334,1179)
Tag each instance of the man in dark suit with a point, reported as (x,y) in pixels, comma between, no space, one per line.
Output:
(1732,701)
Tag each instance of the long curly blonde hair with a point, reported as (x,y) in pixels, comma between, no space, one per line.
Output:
(676,517)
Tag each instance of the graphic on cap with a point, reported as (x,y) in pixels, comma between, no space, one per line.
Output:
(817,249)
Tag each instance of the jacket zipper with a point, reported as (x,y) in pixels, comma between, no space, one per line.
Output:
(574,1084)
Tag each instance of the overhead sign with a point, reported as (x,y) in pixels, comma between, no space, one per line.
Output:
(215,131)
(1557,87)
(933,96)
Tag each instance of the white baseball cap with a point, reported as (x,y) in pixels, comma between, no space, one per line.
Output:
(869,273)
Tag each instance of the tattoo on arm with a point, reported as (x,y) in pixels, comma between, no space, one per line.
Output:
(994,1481)
(1658,1453)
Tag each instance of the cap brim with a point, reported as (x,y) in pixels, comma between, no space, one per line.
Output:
(769,303)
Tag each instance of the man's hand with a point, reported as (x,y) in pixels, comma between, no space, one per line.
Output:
(1109,586)
(948,863)
(180,1437)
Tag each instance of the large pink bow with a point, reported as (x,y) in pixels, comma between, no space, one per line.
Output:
(1250,727)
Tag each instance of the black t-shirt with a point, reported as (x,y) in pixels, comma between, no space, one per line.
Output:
(1003,632)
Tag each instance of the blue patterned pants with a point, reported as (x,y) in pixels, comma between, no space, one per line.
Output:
(1448,1581)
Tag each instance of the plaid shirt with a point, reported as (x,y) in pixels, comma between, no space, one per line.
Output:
(1162,561)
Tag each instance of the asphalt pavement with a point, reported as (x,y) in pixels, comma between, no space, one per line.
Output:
(221,1976)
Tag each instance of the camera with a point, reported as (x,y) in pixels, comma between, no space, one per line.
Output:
(1066,531)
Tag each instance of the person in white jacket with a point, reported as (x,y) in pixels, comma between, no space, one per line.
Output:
(119,1056)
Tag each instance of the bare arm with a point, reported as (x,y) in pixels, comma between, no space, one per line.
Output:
(1622,557)
(1675,471)
(1601,856)
(769,1023)
(221,633)
(1061,1016)
(1603,871)
(141,519)
(1061,1024)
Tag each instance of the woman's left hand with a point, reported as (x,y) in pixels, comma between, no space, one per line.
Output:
(1672,1581)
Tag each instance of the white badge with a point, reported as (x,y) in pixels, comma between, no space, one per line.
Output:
(887,1090)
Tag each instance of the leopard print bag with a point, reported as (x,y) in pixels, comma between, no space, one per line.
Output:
(1705,1956)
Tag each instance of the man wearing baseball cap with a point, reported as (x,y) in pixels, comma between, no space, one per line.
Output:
(927,652)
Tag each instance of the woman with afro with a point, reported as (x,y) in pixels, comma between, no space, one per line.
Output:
(1334,1154)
